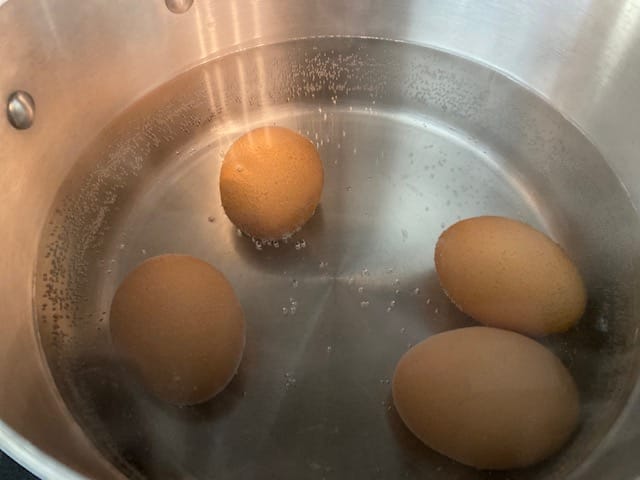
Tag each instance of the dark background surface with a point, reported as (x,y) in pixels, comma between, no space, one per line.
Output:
(10,470)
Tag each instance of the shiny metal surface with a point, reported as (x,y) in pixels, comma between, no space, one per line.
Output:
(412,140)
(581,56)
(21,110)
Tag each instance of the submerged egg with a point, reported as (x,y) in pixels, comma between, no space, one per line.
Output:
(176,320)
(506,274)
(271,182)
(488,398)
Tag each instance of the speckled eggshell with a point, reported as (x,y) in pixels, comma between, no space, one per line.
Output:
(486,397)
(271,182)
(176,320)
(506,274)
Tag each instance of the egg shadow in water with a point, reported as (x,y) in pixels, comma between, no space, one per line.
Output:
(442,313)
(274,260)
(113,407)
(418,458)
(138,432)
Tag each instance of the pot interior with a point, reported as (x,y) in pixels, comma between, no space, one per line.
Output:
(412,139)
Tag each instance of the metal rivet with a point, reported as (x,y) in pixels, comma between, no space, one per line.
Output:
(21,109)
(178,6)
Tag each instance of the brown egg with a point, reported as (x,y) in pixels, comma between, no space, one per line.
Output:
(488,398)
(270,182)
(178,322)
(506,274)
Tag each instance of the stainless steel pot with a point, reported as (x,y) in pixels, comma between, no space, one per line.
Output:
(541,93)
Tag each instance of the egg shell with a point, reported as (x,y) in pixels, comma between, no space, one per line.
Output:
(488,398)
(271,182)
(177,321)
(506,274)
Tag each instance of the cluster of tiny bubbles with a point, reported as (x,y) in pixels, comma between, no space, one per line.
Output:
(416,291)
(323,265)
(260,244)
(365,272)
(292,308)
(360,290)
(289,380)
(300,244)
(392,304)
(385,381)
(364,304)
